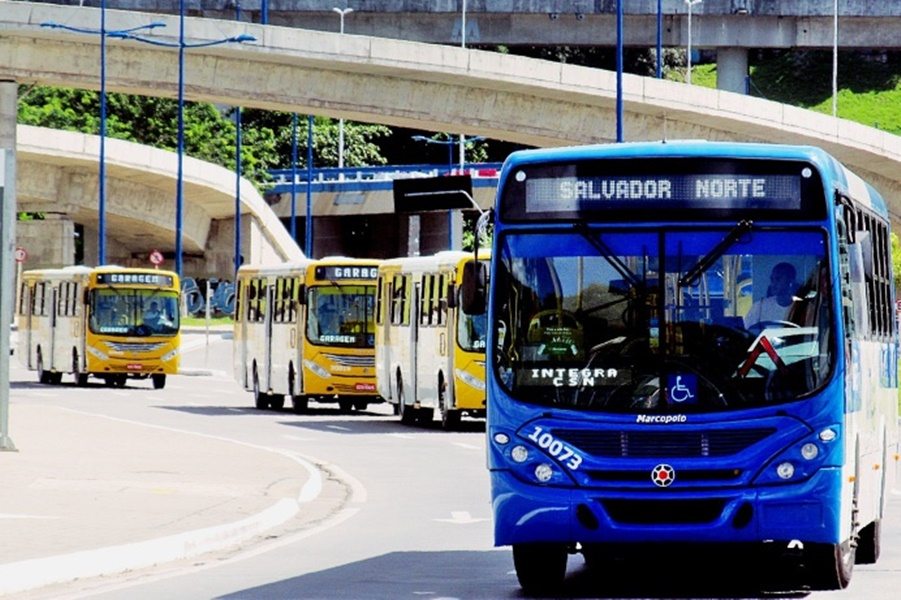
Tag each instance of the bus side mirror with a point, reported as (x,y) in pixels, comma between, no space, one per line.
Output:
(452,295)
(474,291)
(302,295)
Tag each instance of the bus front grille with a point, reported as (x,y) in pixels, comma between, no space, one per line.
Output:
(350,360)
(669,444)
(133,348)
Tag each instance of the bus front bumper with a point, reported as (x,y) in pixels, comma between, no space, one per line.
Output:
(526,513)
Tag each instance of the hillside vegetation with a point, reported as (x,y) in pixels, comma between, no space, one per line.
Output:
(869,84)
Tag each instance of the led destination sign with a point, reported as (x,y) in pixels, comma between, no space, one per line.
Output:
(135,278)
(709,191)
(334,273)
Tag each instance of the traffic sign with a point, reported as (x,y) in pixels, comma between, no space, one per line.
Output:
(20,254)
(156,257)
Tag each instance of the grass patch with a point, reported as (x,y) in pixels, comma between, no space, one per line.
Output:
(869,83)
(190,321)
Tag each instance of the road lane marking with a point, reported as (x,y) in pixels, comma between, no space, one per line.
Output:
(461,517)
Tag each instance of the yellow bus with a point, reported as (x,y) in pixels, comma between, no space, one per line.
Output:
(430,355)
(110,322)
(306,330)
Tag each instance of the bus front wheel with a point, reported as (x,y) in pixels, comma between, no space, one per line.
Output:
(276,401)
(159,380)
(81,378)
(407,413)
(260,400)
(450,418)
(540,567)
(830,566)
(43,376)
(300,403)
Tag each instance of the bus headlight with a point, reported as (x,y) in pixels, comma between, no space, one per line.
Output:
(785,470)
(470,379)
(827,435)
(803,458)
(810,451)
(544,472)
(97,353)
(170,355)
(519,453)
(309,364)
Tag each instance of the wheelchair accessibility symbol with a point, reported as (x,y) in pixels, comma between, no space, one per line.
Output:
(682,389)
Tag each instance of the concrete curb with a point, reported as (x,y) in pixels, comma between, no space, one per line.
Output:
(25,575)
(30,574)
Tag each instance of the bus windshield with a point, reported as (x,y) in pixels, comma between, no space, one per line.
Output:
(134,312)
(472,332)
(663,321)
(342,315)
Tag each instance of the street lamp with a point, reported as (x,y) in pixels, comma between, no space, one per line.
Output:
(308,241)
(342,12)
(659,39)
(101,173)
(834,58)
(182,45)
(462,45)
(449,142)
(619,71)
(690,3)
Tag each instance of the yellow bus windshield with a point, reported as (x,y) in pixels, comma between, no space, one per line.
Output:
(133,312)
(342,315)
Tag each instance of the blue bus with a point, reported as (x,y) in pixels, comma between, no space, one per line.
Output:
(690,342)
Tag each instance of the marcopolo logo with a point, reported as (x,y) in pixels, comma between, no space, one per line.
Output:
(661,419)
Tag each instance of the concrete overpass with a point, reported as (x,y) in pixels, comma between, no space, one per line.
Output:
(57,175)
(416,85)
(715,23)
(729,27)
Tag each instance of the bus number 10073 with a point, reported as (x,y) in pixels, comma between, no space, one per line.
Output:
(563,453)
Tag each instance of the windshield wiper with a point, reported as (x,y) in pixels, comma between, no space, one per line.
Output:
(609,255)
(692,275)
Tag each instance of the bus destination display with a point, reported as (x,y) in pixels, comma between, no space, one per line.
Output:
(132,278)
(337,273)
(571,194)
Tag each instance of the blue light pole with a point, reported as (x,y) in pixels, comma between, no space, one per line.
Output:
(659,39)
(237,188)
(619,71)
(182,46)
(101,173)
(308,242)
(294,177)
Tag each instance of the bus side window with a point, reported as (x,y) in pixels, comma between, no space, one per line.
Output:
(38,308)
(399,300)
(24,299)
(425,301)
(379,304)
(441,299)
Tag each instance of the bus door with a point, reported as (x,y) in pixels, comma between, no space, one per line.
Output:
(54,326)
(267,327)
(413,385)
(28,300)
(448,331)
(384,352)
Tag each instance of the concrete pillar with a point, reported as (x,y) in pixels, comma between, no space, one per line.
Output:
(732,69)
(50,242)
(8,107)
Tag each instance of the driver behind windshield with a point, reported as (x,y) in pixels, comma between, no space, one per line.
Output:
(780,296)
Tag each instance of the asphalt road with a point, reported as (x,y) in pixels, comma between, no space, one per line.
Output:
(414,520)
